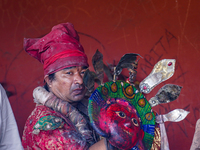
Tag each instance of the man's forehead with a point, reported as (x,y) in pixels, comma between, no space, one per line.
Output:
(68,68)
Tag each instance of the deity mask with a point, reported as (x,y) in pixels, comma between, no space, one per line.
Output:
(121,123)
(120,113)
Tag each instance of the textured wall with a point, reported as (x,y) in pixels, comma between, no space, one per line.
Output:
(154,29)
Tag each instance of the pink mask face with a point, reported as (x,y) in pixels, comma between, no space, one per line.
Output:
(121,123)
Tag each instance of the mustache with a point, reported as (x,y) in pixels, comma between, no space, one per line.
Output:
(78,86)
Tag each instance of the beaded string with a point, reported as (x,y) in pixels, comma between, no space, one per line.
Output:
(72,113)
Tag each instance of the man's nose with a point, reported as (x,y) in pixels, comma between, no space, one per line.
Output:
(78,79)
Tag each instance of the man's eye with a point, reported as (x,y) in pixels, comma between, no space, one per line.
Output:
(83,72)
(121,114)
(68,72)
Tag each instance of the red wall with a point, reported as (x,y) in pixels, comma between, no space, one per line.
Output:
(154,29)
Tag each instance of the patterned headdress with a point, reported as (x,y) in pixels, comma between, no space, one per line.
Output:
(58,49)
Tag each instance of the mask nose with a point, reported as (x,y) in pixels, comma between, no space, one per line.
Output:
(127,124)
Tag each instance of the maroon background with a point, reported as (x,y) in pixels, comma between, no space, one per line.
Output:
(154,29)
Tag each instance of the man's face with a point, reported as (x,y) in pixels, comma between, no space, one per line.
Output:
(68,84)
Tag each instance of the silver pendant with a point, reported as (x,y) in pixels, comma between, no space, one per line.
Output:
(162,71)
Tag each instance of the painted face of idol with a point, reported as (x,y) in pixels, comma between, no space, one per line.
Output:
(121,123)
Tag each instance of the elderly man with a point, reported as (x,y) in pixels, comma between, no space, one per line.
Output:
(9,135)
(59,120)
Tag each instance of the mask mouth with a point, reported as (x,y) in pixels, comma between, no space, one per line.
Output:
(127,132)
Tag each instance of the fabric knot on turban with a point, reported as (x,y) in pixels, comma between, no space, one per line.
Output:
(58,49)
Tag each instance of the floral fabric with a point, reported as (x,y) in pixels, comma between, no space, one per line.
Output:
(65,138)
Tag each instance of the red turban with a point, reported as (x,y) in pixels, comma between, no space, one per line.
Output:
(58,49)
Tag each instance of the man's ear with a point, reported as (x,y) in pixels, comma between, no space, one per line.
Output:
(47,80)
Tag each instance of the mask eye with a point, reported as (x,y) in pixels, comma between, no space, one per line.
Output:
(135,122)
(121,114)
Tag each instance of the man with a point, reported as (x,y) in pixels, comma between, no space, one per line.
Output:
(59,120)
(9,135)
